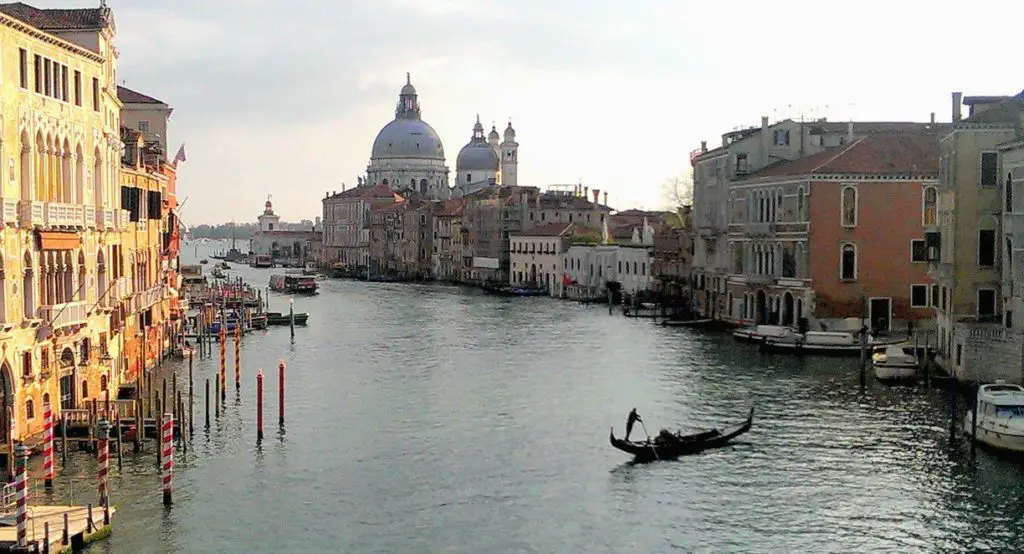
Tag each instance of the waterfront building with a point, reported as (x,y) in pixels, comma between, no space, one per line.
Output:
(346,224)
(407,154)
(61,211)
(144,311)
(145,114)
(447,245)
(292,247)
(401,240)
(836,237)
(744,152)
(537,256)
(672,254)
(974,239)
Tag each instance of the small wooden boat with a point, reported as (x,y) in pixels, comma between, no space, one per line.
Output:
(669,446)
(277,318)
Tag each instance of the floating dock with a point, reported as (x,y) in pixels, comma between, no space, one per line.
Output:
(82,529)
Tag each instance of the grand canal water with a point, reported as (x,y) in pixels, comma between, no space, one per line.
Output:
(434,419)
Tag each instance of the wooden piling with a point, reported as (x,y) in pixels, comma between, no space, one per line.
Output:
(48,446)
(259,405)
(223,359)
(238,356)
(216,398)
(63,439)
(291,316)
(46,537)
(280,393)
(174,395)
(182,438)
(163,397)
(64,538)
(207,404)
(120,439)
(191,398)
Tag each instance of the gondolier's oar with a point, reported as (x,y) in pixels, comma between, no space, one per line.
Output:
(644,427)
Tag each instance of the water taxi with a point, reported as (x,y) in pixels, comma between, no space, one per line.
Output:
(293,284)
(1000,413)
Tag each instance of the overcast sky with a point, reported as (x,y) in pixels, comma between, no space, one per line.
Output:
(284,98)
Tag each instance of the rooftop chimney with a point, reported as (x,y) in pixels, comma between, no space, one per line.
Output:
(703,146)
(586,192)
(849,131)
(605,198)
(958,100)
(764,121)
(933,118)
(597,194)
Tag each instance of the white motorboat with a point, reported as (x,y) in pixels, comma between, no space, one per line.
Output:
(1000,412)
(895,364)
(825,343)
(758,333)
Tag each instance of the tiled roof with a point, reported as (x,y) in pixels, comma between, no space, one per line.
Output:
(545,230)
(451,207)
(376,191)
(129,96)
(898,154)
(58,19)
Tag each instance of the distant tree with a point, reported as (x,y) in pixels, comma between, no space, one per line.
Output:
(678,191)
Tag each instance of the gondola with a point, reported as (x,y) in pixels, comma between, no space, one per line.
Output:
(668,446)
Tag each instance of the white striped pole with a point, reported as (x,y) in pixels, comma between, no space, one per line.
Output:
(167,456)
(103,456)
(21,493)
(48,446)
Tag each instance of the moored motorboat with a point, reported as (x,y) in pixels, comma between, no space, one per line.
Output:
(668,445)
(825,343)
(758,333)
(1000,416)
(693,323)
(895,364)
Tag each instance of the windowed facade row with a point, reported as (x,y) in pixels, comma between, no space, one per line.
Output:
(850,206)
(768,205)
(787,260)
(54,79)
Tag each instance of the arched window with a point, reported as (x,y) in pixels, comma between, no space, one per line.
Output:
(30,409)
(848,262)
(849,206)
(778,203)
(928,206)
(28,288)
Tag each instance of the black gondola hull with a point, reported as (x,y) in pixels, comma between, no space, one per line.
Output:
(649,451)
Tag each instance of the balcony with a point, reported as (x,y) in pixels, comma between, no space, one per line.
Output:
(117,291)
(147,298)
(9,212)
(58,214)
(104,219)
(760,229)
(64,315)
(90,217)
(30,214)
(758,279)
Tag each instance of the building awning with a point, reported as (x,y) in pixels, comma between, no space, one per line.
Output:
(54,240)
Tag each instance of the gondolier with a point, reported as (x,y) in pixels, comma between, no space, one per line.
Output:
(633,418)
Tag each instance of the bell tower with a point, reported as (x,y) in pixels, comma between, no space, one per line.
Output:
(509,149)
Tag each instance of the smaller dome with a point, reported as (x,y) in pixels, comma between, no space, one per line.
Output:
(477,156)
(493,135)
(510,133)
(408,89)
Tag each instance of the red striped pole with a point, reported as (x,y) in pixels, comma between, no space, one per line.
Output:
(103,457)
(167,456)
(259,405)
(280,393)
(48,446)
(21,493)
(238,357)
(223,361)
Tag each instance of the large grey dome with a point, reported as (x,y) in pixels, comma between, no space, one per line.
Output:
(407,138)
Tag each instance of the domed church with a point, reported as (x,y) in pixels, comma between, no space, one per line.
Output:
(407,153)
(484,162)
